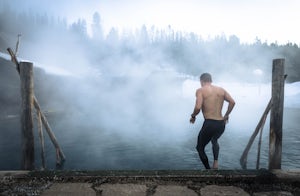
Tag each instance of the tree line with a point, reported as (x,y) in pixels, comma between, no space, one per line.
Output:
(185,52)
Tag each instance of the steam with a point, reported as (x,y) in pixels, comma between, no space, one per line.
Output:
(126,104)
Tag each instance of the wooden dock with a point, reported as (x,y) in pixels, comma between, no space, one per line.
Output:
(248,181)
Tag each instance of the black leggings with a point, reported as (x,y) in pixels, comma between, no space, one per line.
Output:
(210,131)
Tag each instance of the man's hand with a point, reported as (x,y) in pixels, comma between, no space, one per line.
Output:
(193,119)
(226,118)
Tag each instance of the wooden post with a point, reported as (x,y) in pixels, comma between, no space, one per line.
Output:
(59,153)
(276,118)
(41,135)
(26,76)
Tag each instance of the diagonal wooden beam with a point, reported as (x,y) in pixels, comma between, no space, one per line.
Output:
(243,159)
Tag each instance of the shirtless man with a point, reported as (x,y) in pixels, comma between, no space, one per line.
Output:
(210,99)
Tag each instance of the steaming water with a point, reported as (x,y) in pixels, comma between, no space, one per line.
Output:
(160,138)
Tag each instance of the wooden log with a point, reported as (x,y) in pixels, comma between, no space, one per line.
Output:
(14,59)
(41,136)
(276,119)
(26,76)
(243,159)
(49,131)
(259,141)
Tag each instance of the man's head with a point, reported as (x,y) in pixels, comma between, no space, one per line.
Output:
(205,78)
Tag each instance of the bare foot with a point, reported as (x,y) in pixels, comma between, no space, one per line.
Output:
(215,165)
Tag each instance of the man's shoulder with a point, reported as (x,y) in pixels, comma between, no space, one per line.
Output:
(219,88)
(199,90)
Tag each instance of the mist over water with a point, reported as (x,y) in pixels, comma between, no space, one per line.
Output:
(143,123)
(124,101)
(134,129)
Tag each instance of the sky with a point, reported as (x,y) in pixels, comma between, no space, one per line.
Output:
(268,20)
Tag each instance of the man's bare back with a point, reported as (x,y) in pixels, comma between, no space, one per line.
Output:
(210,99)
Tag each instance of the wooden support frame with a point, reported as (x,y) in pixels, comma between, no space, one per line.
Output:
(275,105)
(60,157)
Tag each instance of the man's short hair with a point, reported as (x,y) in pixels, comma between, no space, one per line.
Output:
(205,77)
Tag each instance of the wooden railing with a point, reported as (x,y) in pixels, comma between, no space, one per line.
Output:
(275,105)
(25,70)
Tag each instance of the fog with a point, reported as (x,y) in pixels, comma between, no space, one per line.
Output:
(124,101)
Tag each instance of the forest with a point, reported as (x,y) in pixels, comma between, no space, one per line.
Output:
(50,40)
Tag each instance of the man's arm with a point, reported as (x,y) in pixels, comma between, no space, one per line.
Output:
(198,105)
(231,104)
